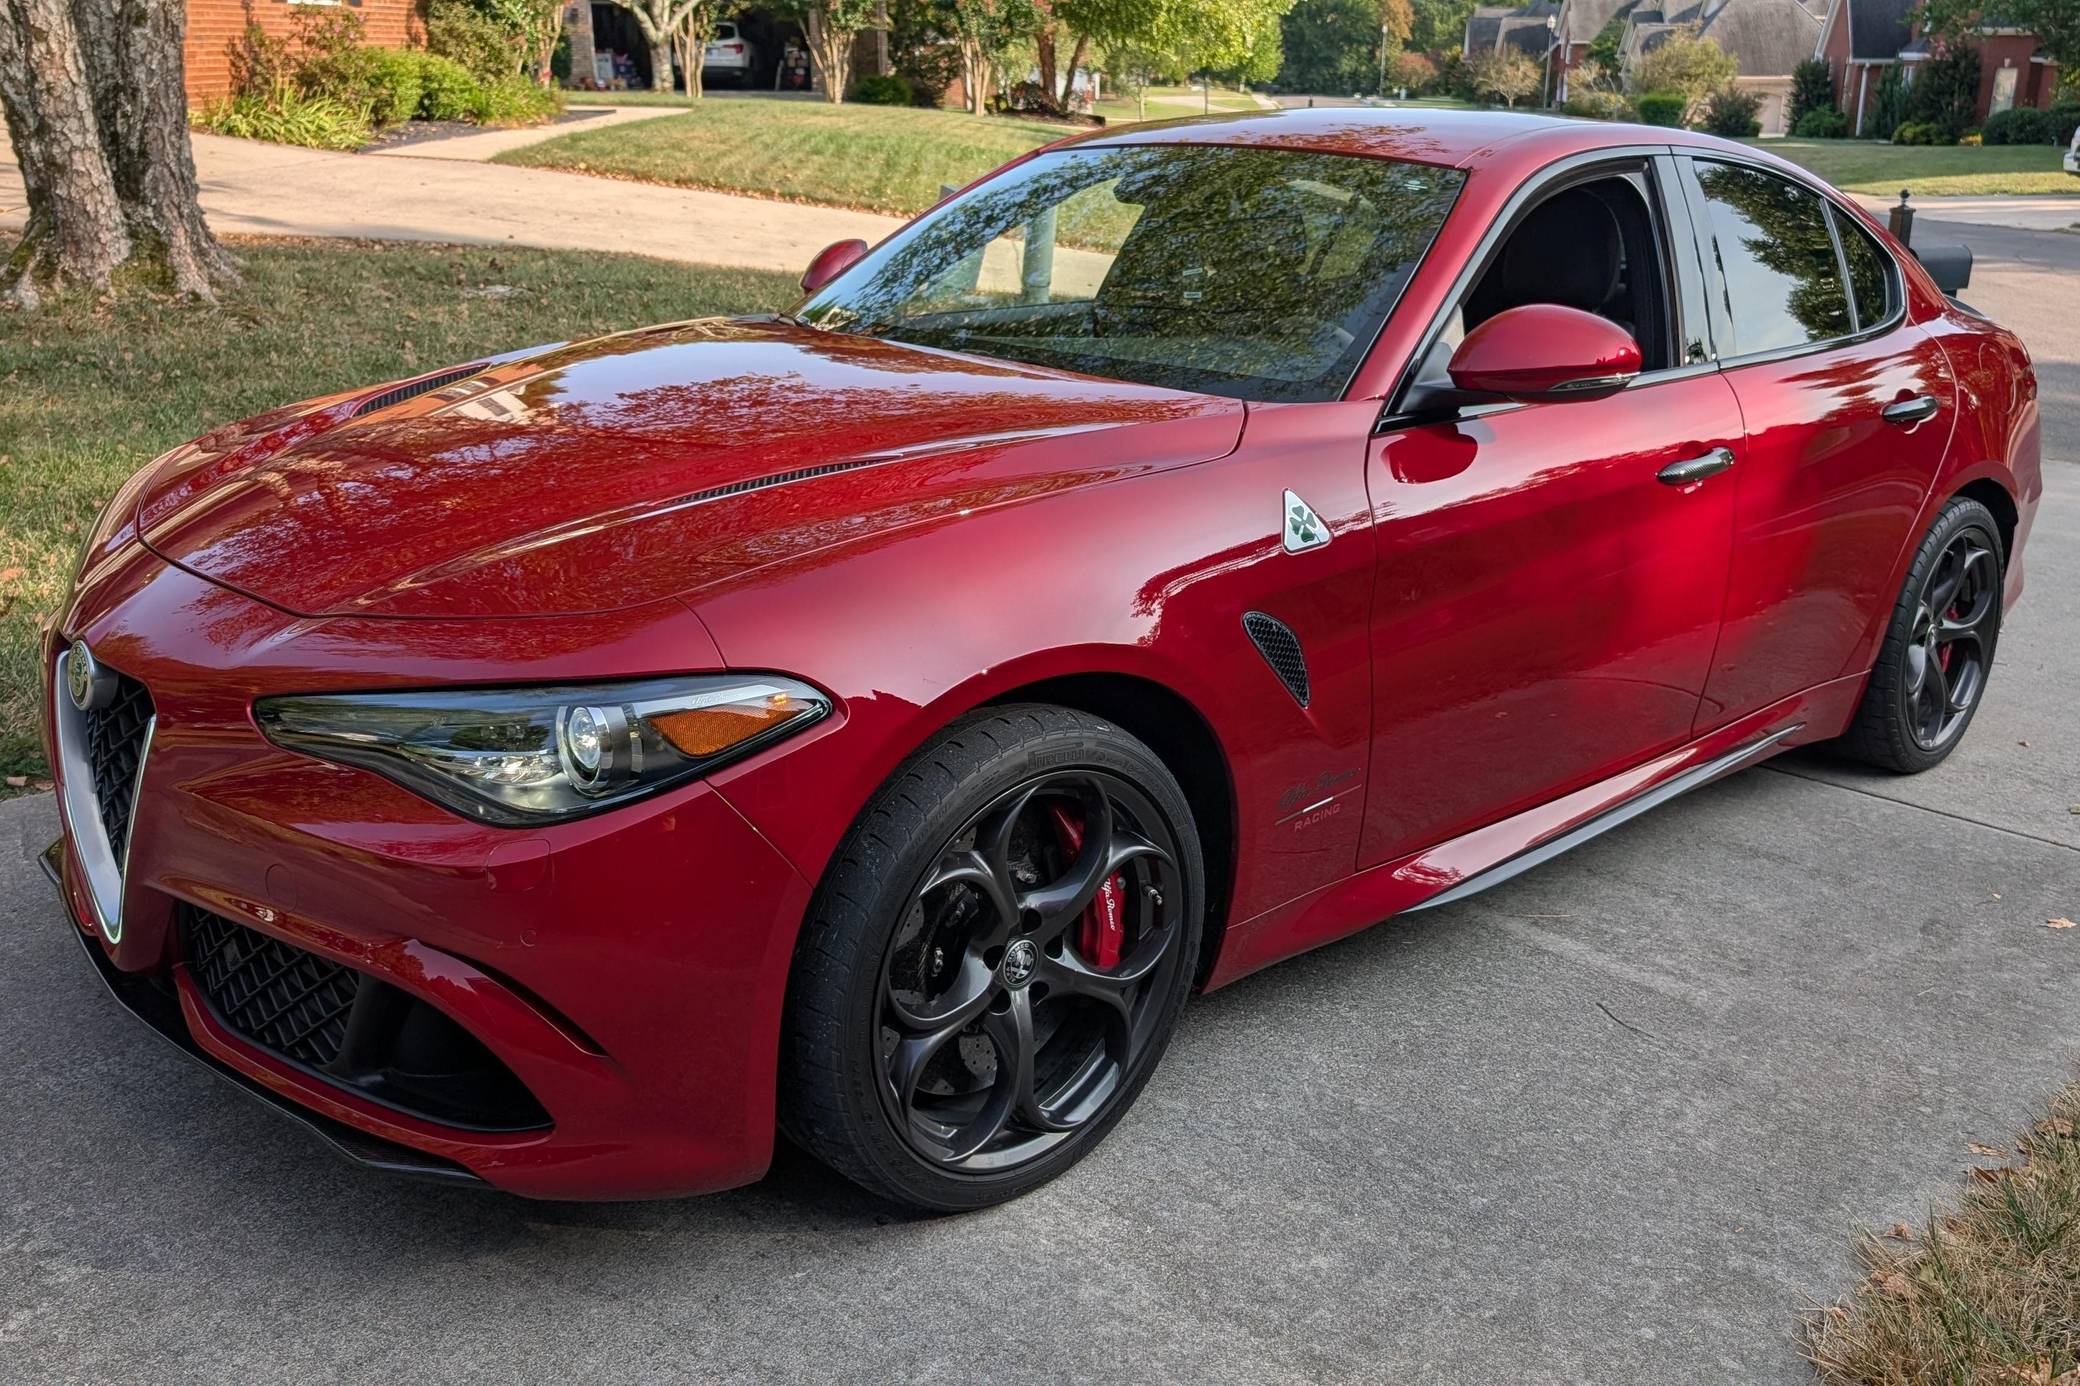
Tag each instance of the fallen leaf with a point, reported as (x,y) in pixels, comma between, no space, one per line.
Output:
(11,574)
(2060,923)
(1896,1286)
(17,781)
(1986,1175)
(1986,1150)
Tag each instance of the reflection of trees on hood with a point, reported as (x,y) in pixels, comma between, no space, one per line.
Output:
(1793,241)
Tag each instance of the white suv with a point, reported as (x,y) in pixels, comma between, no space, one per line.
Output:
(728,55)
(2073,152)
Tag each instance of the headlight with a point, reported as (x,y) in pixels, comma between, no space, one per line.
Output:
(532,755)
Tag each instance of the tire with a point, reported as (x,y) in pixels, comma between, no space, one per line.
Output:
(947,1043)
(1897,726)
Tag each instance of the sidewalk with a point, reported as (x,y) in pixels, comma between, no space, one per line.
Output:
(257,189)
(480,147)
(2038,212)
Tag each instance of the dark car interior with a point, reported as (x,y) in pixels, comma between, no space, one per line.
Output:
(1589,246)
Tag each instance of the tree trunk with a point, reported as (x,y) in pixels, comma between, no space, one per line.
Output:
(1069,77)
(975,74)
(94,102)
(1043,52)
(830,52)
(660,62)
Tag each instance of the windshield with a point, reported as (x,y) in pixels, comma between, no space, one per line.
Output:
(1263,274)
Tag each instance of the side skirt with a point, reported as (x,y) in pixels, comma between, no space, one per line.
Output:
(1653,797)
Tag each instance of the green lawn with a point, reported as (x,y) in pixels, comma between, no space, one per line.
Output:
(879,158)
(88,395)
(1865,166)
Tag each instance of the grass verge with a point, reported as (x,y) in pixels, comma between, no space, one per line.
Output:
(891,159)
(1987,1294)
(88,393)
(1865,166)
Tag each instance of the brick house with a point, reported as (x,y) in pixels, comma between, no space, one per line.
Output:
(1861,38)
(216,30)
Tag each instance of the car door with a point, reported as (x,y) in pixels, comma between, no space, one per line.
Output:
(1848,408)
(1546,604)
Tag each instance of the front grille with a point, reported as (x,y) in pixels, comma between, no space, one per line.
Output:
(278,996)
(115,741)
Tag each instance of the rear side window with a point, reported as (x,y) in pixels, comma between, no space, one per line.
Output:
(1871,281)
(1782,278)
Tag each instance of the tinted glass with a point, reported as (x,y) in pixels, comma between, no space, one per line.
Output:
(1263,274)
(1870,272)
(1783,281)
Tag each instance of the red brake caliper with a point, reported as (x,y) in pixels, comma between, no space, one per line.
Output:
(1103,927)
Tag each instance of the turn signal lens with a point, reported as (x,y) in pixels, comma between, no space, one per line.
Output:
(518,755)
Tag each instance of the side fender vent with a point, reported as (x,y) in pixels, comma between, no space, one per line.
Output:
(1275,641)
(412,389)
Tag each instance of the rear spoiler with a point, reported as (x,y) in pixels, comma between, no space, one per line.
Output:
(1950,265)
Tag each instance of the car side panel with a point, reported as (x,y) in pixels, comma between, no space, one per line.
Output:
(1146,577)
(1829,494)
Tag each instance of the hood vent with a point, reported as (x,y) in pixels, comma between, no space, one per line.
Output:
(412,389)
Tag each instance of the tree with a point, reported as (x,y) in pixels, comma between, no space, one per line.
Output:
(1440,25)
(1329,46)
(984,29)
(1945,91)
(1412,71)
(832,26)
(2056,23)
(1685,64)
(1507,74)
(94,101)
(661,22)
(1812,89)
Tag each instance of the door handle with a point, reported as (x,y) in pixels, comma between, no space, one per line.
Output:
(1910,411)
(1696,468)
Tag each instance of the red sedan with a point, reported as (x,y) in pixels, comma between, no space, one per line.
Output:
(1183,548)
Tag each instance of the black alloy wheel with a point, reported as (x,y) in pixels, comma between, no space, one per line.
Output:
(994,961)
(1950,646)
(1931,672)
(999,1036)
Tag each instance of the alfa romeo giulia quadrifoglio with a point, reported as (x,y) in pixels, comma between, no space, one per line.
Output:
(870,723)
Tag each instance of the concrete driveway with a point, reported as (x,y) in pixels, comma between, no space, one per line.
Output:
(1615,1121)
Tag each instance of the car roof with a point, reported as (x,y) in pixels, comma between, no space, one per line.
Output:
(1427,135)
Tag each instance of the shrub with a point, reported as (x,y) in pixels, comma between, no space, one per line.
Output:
(1888,106)
(1730,113)
(458,30)
(2064,118)
(395,85)
(2019,126)
(513,100)
(1812,89)
(1971,139)
(1663,108)
(447,91)
(1918,132)
(1829,124)
(1595,104)
(286,116)
(1687,64)
(1945,94)
(882,91)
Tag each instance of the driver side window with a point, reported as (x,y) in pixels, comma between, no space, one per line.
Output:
(1591,246)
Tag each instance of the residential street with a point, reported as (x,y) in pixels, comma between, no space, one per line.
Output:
(1614,1121)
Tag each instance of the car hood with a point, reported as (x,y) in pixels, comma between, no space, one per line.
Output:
(631,468)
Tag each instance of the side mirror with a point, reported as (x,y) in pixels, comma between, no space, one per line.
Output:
(830,262)
(1543,351)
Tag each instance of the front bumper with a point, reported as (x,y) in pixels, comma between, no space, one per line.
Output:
(628,969)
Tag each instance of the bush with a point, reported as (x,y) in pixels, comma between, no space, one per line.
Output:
(882,91)
(2018,126)
(1829,124)
(458,30)
(287,116)
(513,101)
(1663,108)
(1971,139)
(1730,113)
(447,91)
(1918,132)
(1945,94)
(1812,89)
(395,85)
(1593,104)
(1888,106)
(2064,118)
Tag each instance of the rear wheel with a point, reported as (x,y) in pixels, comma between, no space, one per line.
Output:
(1938,652)
(995,961)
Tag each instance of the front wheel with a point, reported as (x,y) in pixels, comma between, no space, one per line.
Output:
(1938,652)
(995,960)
